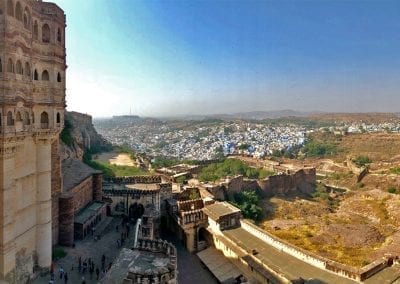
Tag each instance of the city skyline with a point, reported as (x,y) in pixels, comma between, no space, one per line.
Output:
(158,58)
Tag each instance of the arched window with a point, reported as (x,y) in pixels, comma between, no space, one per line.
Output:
(58,117)
(44,120)
(27,19)
(18,11)
(59,37)
(27,69)
(45,76)
(35,31)
(10,66)
(18,117)
(10,8)
(58,77)
(27,121)
(46,33)
(19,67)
(35,75)
(10,120)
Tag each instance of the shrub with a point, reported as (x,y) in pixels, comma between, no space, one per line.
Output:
(395,170)
(58,253)
(362,161)
(319,149)
(231,167)
(248,201)
(392,189)
(65,135)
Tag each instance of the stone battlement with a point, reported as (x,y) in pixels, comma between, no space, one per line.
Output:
(136,179)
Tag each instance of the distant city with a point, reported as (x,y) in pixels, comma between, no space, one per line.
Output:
(208,138)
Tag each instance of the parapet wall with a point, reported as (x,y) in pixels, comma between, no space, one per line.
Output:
(170,273)
(135,179)
(358,274)
(187,205)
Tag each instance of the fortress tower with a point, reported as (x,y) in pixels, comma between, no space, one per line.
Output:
(32,103)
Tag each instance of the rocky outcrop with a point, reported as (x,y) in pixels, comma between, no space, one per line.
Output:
(79,135)
(360,172)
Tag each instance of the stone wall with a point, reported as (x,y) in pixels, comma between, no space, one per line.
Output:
(66,226)
(97,187)
(83,194)
(56,188)
(188,205)
(302,180)
(170,274)
(360,172)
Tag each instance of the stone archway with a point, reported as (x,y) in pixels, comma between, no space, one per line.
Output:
(203,238)
(136,211)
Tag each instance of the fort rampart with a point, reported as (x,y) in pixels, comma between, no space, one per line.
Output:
(358,274)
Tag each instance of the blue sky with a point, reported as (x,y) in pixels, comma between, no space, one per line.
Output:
(160,58)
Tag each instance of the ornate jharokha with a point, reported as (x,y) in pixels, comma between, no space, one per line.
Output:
(32,103)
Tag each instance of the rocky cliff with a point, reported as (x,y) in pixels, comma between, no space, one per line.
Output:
(79,135)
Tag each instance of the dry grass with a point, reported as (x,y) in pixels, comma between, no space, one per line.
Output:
(378,147)
(302,237)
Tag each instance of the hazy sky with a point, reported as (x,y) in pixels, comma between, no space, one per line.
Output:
(181,57)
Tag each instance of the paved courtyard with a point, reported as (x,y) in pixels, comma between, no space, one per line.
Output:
(190,269)
(107,245)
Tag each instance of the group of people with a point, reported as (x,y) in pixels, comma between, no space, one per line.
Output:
(62,274)
(124,233)
(87,265)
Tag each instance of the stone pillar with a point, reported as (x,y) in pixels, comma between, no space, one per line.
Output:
(66,226)
(98,187)
(7,212)
(43,205)
(56,188)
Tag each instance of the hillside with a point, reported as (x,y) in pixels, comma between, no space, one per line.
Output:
(79,135)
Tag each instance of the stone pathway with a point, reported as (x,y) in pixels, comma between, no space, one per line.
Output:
(190,268)
(107,245)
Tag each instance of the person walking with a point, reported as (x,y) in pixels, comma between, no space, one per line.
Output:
(91,270)
(83,280)
(103,261)
(65,278)
(79,264)
(61,272)
(84,267)
(97,273)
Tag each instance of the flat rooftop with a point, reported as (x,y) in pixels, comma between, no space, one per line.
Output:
(281,262)
(74,172)
(87,212)
(219,209)
(219,265)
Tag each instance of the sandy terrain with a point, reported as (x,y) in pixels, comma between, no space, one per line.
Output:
(119,159)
